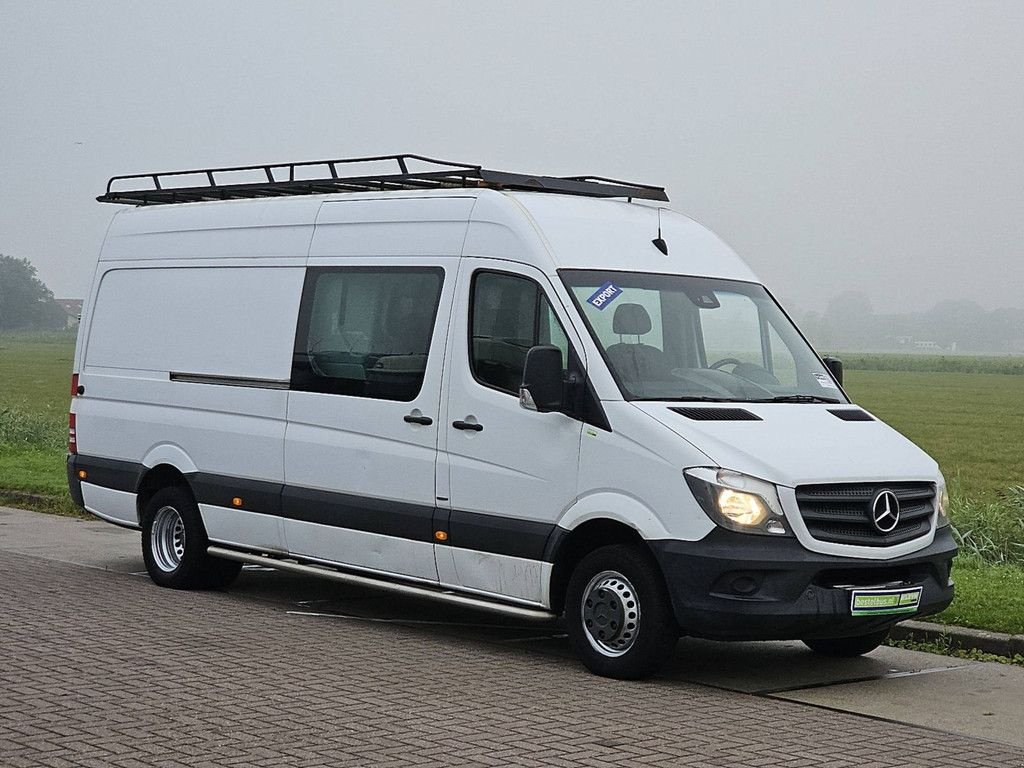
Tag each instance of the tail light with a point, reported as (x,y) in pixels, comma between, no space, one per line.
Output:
(72,433)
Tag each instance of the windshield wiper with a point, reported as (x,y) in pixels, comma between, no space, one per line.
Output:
(798,399)
(698,399)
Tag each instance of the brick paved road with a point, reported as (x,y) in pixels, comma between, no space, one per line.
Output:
(104,669)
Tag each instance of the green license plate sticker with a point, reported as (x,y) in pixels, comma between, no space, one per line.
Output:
(880,602)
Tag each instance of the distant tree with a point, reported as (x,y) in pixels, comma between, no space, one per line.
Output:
(852,320)
(25,301)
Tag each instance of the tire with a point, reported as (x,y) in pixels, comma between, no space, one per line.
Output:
(618,613)
(848,647)
(174,544)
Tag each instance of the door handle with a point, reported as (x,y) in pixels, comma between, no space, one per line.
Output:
(411,418)
(472,426)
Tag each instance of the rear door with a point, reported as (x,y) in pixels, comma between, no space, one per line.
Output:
(361,442)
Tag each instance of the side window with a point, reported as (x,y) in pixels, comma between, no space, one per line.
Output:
(508,315)
(365,332)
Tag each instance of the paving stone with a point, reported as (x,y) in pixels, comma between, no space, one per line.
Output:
(102,668)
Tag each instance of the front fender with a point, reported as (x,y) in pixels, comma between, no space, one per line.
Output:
(610,505)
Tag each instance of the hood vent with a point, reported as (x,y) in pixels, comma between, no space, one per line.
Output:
(851,414)
(717,414)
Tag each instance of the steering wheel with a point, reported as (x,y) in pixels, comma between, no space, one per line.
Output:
(724,361)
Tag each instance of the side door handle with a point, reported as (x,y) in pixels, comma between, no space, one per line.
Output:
(470,425)
(415,418)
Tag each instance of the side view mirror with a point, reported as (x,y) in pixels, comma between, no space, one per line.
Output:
(835,367)
(542,388)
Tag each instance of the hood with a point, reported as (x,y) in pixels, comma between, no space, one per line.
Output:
(795,443)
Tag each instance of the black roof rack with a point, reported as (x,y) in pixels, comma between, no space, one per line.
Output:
(318,177)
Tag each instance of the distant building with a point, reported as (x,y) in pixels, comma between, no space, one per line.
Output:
(73,309)
(926,345)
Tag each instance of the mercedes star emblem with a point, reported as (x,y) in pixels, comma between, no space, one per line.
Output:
(885,511)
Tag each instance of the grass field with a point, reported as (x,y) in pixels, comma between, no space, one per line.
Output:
(972,423)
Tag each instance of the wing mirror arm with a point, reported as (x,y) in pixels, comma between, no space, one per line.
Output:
(835,367)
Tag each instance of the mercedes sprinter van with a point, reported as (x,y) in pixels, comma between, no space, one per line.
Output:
(536,395)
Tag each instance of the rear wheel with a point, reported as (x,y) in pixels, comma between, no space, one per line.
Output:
(174,544)
(847,647)
(618,613)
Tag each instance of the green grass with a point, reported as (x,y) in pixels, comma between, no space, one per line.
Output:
(35,372)
(886,361)
(971,423)
(988,596)
(35,378)
(947,647)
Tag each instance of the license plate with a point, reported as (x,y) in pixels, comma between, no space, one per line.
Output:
(881,602)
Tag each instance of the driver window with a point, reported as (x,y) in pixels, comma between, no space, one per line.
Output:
(509,315)
(732,330)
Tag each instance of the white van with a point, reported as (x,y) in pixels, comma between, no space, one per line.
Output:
(535,395)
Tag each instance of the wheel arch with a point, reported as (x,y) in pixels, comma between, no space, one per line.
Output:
(156,478)
(572,546)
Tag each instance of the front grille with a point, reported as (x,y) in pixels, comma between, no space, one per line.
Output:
(840,513)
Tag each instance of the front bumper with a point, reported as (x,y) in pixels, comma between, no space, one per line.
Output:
(734,586)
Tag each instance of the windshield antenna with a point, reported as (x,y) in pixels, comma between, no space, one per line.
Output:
(659,243)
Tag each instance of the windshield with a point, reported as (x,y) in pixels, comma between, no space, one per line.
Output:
(672,337)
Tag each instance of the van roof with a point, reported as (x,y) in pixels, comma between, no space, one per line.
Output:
(548,231)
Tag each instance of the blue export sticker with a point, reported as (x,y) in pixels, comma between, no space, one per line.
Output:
(605,295)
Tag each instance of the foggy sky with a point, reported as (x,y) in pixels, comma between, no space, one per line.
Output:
(867,145)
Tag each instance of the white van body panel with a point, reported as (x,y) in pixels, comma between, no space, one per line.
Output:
(238,528)
(584,233)
(112,505)
(819,445)
(234,229)
(634,474)
(427,226)
(132,327)
(171,455)
(373,552)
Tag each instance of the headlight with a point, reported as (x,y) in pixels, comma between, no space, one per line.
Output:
(942,519)
(738,502)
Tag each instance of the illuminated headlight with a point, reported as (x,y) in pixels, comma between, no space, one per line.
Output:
(942,519)
(737,501)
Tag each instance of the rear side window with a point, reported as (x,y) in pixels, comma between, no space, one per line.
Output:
(365,332)
(509,314)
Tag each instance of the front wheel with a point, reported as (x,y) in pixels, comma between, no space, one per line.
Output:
(848,647)
(618,613)
(174,544)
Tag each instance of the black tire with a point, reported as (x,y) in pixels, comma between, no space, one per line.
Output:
(848,647)
(183,564)
(624,583)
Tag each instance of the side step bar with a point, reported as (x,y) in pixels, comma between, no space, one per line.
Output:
(412,590)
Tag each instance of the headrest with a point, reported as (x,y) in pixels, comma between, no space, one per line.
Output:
(631,320)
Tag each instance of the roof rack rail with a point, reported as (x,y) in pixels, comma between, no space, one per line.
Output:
(319,177)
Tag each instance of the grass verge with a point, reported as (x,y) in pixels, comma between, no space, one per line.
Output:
(988,596)
(947,647)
